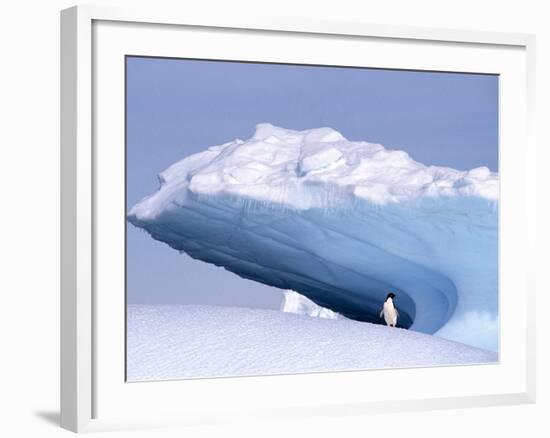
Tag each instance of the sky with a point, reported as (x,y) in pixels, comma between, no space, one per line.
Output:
(177,107)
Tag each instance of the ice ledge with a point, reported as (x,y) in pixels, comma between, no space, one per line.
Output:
(315,168)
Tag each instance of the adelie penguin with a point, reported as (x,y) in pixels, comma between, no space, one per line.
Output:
(389,312)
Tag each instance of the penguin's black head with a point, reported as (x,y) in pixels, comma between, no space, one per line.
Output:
(390,295)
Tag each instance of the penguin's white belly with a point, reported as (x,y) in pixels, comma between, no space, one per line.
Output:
(390,314)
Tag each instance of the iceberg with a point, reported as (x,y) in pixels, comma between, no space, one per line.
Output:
(295,303)
(342,223)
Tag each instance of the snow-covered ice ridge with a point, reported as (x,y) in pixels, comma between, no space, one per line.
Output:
(293,302)
(188,341)
(342,223)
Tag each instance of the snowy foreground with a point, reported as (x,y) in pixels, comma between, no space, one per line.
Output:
(184,341)
(342,223)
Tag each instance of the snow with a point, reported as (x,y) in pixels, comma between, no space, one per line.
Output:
(275,162)
(343,223)
(295,303)
(187,341)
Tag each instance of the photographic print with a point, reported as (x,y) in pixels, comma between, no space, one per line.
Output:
(285,218)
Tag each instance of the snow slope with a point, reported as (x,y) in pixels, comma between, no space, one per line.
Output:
(184,341)
(342,223)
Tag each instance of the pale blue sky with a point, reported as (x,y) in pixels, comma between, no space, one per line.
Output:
(178,107)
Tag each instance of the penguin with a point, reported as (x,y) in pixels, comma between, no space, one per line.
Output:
(389,312)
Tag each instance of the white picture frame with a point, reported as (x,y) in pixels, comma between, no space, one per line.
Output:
(93,390)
